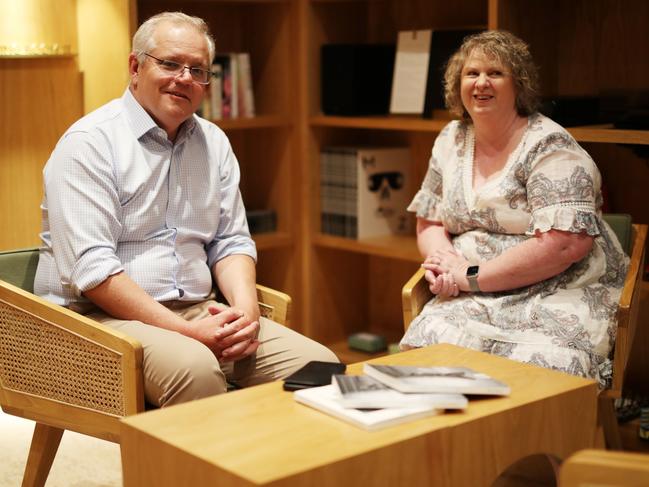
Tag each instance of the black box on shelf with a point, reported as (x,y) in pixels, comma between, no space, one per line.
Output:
(356,79)
(572,111)
(443,43)
(261,221)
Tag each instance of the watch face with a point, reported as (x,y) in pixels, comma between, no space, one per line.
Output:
(472,271)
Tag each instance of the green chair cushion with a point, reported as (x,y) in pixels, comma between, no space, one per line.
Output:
(620,223)
(18,267)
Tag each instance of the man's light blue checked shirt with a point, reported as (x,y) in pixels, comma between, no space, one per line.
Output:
(119,196)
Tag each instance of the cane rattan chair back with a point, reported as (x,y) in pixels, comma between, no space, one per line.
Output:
(66,371)
(415,294)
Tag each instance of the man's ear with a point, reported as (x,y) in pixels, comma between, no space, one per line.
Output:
(133,67)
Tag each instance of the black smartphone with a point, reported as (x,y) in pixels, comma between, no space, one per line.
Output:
(313,374)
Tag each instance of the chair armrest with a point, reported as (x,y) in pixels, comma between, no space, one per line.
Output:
(52,358)
(274,305)
(414,295)
(628,308)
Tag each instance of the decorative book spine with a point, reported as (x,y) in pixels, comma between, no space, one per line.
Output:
(246,95)
(216,92)
(223,60)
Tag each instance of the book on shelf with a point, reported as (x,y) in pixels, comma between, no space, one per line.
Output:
(327,400)
(362,391)
(246,102)
(460,380)
(364,191)
(216,92)
(234,86)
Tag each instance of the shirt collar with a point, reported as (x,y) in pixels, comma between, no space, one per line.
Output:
(142,122)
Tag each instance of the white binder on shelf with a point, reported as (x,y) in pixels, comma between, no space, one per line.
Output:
(410,72)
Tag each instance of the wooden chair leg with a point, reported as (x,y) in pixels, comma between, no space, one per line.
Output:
(45,442)
(608,421)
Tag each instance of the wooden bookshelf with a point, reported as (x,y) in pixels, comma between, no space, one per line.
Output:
(342,285)
(391,246)
(607,134)
(274,240)
(265,145)
(355,284)
(399,123)
(259,122)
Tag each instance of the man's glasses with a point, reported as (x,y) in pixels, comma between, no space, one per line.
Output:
(172,68)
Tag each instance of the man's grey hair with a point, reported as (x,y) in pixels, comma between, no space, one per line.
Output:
(143,40)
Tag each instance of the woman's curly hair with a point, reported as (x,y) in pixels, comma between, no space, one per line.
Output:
(512,53)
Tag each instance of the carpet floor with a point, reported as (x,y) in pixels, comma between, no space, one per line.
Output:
(81,461)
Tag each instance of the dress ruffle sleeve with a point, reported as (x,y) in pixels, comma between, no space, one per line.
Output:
(564,218)
(563,189)
(427,203)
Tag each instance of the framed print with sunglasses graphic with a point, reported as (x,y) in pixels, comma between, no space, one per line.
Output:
(365,191)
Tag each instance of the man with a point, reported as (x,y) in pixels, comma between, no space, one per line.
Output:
(142,212)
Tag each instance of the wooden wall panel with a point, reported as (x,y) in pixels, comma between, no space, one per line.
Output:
(583,47)
(103,52)
(41,98)
(28,22)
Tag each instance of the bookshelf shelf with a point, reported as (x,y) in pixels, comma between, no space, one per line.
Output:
(393,247)
(263,121)
(606,133)
(37,56)
(275,240)
(394,122)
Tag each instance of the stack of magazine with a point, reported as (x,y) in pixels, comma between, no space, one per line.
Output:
(391,394)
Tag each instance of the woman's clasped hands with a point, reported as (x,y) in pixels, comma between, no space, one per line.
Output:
(446,272)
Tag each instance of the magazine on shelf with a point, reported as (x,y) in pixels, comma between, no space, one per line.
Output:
(362,391)
(327,400)
(460,380)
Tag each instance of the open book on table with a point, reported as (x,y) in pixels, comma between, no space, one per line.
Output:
(327,400)
(362,391)
(460,380)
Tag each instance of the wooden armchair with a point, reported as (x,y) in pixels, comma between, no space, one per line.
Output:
(415,294)
(66,371)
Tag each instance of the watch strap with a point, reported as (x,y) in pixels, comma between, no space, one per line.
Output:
(472,277)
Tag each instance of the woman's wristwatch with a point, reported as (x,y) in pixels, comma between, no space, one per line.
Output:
(472,276)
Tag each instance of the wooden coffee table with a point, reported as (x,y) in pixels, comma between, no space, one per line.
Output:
(261,436)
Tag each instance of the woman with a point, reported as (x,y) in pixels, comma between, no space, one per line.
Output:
(509,223)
